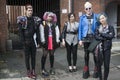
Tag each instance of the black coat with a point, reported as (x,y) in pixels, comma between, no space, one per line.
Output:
(27,33)
(46,33)
(106,38)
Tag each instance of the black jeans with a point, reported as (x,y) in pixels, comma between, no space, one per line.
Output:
(86,56)
(104,57)
(71,50)
(30,52)
(44,56)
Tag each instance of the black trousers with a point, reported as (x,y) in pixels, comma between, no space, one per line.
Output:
(86,56)
(104,57)
(44,56)
(71,54)
(30,53)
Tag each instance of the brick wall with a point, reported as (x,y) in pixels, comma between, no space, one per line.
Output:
(63,16)
(79,7)
(98,6)
(3,26)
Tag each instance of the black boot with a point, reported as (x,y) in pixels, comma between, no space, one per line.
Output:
(95,74)
(86,73)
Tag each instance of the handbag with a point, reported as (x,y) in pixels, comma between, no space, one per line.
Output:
(93,45)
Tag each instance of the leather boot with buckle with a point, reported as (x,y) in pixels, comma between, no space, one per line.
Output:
(86,73)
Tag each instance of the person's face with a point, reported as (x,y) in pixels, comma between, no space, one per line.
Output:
(49,18)
(102,19)
(29,12)
(72,17)
(88,10)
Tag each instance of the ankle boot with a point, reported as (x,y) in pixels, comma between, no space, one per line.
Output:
(29,73)
(33,74)
(86,73)
(95,74)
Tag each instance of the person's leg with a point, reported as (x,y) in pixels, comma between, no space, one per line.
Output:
(74,52)
(100,60)
(86,58)
(43,61)
(99,71)
(51,55)
(33,60)
(27,60)
(95,74)
(68,49)
(107,54)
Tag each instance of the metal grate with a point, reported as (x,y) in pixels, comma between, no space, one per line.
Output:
(16,8)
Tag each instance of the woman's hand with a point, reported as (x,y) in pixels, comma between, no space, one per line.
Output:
(63,43)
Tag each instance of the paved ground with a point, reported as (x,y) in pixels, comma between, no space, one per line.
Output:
(12,66)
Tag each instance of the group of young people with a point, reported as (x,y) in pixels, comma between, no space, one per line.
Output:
(90,27)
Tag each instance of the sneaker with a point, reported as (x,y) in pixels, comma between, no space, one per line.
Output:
(86,73)
(52,71)
(95,74)
(45,73)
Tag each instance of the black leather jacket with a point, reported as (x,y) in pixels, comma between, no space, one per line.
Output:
(105,37)
(27,29)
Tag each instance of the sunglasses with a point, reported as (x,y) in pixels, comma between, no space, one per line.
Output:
(88,8)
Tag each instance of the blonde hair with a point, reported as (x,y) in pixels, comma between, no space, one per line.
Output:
(87,4)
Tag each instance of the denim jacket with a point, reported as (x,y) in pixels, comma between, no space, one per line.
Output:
(83,26)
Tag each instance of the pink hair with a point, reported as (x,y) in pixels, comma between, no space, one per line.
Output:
(53,15)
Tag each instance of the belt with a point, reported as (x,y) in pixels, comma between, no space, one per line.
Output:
(71,32)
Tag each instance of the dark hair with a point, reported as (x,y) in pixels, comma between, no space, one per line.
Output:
(28,6)
(70,15)
(104,14)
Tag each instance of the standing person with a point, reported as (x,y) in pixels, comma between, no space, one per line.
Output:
(50,39)
(28,26)
(105,33)
(70,40)
(87,26)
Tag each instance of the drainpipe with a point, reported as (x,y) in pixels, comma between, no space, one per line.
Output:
(69,6)
(72,6)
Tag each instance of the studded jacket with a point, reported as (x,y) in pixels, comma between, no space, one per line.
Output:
(28,27)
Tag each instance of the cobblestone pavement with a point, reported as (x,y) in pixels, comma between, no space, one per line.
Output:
(12,66)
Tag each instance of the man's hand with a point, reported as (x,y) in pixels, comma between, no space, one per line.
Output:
(81,43)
